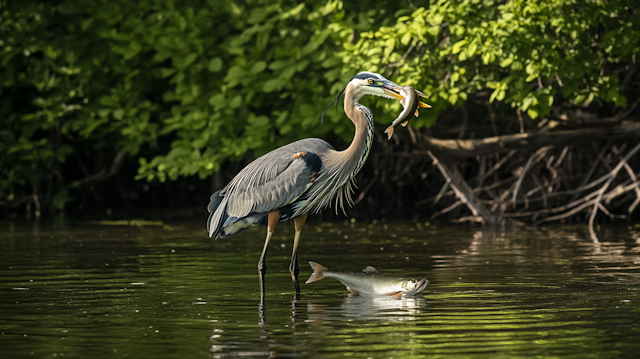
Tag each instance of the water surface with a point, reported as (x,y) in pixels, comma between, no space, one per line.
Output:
(151,290)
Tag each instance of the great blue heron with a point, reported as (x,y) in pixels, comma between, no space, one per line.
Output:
(301,177)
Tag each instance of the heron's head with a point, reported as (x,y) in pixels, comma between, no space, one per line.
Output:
(370,83)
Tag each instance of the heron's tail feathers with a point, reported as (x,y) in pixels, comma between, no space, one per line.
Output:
(318,272)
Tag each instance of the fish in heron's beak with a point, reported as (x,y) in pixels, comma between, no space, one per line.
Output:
(409,100)
(392,90)
(370,282)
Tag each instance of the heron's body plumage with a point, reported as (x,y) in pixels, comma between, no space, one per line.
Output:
(275,180)
(295,184)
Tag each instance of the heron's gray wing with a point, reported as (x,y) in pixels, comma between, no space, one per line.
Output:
(271,181)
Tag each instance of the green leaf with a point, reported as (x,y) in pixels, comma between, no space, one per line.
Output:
(473,47)
(217,100)
(118,114)
(215,64)
(506,62)
(272,85)
(236,102)
(493,95)
(458,46)
(258,67)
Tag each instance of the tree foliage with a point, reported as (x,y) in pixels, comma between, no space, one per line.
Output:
(184,86)
(531,54)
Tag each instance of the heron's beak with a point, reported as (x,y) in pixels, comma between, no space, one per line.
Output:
(393,90)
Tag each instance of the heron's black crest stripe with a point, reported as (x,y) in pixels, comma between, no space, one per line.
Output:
(367,75)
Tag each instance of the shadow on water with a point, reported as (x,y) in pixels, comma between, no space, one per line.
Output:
(152,290)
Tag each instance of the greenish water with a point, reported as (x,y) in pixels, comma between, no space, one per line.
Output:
(108,290)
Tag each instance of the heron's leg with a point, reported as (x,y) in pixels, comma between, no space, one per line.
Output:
(272,222)
(273,219)
(298,223)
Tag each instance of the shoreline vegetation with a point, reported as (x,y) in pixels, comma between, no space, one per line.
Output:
(157,103)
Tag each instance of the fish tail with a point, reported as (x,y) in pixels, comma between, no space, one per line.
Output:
(318,272)
(389,132)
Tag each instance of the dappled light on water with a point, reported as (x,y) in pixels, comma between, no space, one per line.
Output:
(158,290)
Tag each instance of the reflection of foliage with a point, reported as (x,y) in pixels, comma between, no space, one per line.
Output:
(187,85)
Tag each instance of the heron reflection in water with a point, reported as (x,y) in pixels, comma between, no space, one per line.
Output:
(299,178)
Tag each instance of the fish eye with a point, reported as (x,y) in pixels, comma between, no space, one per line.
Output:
(370,81)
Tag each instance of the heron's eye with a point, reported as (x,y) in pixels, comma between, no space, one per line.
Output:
(370,81)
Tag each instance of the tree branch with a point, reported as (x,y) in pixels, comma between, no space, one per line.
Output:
(523,141)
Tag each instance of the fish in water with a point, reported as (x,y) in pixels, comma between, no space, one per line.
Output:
(410,102)
(370,282)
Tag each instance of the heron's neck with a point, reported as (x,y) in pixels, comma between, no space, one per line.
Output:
(340,167)
(356,154)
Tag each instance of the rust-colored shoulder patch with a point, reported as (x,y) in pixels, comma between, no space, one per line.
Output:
(299,154)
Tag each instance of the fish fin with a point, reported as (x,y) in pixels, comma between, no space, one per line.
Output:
(421,94)
(353,293)
(403,103)
(389,132)
(404,124)
(422,104)
(318,272)
(370,270)
(396,294)
(416,113)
